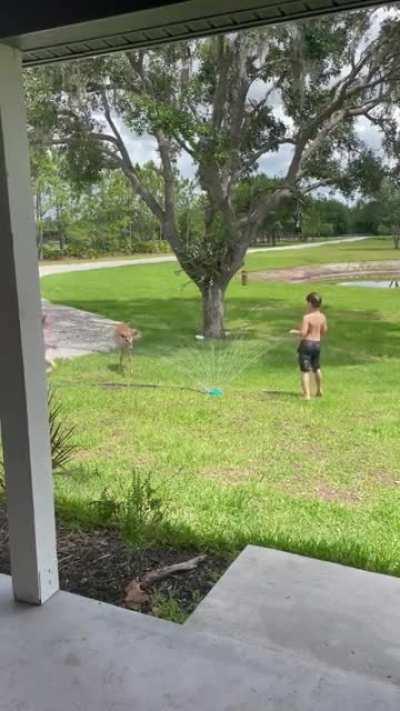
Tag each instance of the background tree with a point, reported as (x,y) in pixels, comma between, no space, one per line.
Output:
(389,209)
(111,218)
(43,175)
(227,102)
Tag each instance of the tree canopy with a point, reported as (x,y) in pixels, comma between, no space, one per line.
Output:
(228,103)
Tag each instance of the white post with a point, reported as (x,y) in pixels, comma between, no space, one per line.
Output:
(23,392)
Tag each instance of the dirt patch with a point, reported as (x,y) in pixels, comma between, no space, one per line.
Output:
(328,493)
(329,271)
(98,564)
(228,475)
(321,490)
(384,478)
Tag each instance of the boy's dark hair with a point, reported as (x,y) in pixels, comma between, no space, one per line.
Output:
(314,299)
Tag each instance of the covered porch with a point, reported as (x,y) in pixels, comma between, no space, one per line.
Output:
(277,632)
(59,651)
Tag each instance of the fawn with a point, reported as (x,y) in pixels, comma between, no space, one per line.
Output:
(124,338)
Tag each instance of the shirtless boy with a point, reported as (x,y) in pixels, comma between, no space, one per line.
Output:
(314,326)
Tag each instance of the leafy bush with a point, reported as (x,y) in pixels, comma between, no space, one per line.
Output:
(152,246)
(139,514)
(82,249)
(61,434)
(327,229)
(107,508)
(142,511)
(52,251)
(91,248)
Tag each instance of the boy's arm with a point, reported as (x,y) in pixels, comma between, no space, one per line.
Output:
(303,330)
(324,329)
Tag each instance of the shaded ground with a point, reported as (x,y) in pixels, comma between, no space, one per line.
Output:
(329,271)
(98,565)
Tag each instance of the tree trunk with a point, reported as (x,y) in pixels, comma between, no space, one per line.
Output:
(39,227)
(39,242)
(213,311)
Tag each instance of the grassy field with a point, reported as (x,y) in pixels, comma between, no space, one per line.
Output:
(257,465)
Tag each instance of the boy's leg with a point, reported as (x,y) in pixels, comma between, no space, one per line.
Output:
(305,384)
(318,380)
(305,367)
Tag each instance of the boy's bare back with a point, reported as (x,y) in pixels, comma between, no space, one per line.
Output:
(314,326)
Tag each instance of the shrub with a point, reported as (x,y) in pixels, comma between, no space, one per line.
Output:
(87,248)
(138,515)
(327,229)
(82,249)
(150,246)
(52,251)
(61,434)
(142,511)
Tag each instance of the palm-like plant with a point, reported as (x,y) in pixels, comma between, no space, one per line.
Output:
(61,434)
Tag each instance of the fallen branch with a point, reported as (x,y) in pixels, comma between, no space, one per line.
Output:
(136,593)
(159,573)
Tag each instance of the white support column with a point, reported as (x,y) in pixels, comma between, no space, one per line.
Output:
(23,396)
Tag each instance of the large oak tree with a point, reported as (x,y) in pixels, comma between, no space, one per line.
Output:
(229,102)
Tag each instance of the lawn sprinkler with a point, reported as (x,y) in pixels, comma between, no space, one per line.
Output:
(216,362)
(215,392)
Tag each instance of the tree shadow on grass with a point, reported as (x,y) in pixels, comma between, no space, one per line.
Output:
(230,540)
(165,324)
(279,394)
(355,336)
(115,368)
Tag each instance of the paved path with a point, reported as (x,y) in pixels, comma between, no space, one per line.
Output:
(75,333)
(47,270)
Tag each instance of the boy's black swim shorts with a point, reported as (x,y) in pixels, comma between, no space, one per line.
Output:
(309,356)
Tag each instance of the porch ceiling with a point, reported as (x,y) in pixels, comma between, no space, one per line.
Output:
(48,31)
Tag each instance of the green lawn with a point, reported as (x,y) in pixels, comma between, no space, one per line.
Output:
(257,465)
(374,249)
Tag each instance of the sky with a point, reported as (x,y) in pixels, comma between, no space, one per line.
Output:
(143,148)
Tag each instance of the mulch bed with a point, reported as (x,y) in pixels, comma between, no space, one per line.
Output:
(99,565)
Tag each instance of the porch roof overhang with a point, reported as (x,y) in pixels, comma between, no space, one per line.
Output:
(47,32)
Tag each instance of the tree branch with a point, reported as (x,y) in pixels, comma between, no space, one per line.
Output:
(130,171)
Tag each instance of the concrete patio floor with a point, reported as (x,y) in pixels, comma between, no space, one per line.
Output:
(76,654)
(346,618)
